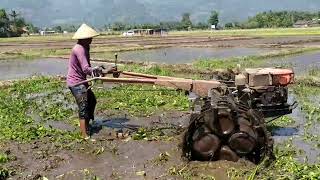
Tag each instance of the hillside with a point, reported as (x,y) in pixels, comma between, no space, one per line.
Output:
(101,12)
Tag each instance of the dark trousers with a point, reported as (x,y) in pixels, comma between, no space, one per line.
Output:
(86,101)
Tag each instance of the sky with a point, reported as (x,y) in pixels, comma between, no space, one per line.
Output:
(102,12)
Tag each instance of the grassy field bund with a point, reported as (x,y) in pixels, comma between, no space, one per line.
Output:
(234,32)
(254,32)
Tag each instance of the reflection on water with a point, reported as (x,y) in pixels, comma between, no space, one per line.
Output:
(296,132)
(180,55)
(300,63)
(18,69)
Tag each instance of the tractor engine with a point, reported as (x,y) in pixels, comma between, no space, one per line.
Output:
(265,90)
(231,124)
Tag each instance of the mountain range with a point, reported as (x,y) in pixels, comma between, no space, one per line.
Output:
(101,12)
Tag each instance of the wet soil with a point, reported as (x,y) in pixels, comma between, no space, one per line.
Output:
(110,157)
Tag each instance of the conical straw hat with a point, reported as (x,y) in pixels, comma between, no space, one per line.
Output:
(85,32)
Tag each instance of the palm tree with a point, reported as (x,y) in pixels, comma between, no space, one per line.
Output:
(14,15)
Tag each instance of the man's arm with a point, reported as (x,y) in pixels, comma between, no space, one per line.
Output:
(83,60)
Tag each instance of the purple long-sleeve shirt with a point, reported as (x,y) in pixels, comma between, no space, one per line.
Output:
(79,65)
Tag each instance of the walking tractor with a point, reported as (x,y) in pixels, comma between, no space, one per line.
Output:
(229,118)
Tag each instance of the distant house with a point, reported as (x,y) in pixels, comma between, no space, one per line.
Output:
(45,33)
(25,31)
(304,24)
(161,32)
(146,32)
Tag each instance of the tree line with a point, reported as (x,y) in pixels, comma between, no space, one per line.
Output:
(275,19)
(268,19)
(184,24)
(12,24)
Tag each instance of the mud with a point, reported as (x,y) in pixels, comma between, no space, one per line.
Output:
(111,157)
(116,158)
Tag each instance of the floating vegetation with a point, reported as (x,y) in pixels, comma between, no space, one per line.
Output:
(14,108)
(142,100)
(49,98)
(308,92)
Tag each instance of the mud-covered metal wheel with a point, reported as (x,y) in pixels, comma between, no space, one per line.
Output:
(222,131)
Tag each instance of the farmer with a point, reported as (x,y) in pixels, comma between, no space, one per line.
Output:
(78,70)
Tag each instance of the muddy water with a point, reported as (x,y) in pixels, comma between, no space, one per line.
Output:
(300,63)
(296,132)
(180,55)
(19,69)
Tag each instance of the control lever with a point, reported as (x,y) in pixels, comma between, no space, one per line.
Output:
(116,73)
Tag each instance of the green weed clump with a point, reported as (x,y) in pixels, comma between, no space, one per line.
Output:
(307,92)
(4,173)
(153,134)
(281,122)
(15,107)
(3,158)
(50,100)
(144,134)
(142,100)
(286,166)
(153,70)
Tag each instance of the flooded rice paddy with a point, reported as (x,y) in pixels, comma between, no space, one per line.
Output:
(19,69)
(296,131)
(110,157)
(300,63)
(182,55)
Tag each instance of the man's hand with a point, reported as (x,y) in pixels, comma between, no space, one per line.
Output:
(97,71)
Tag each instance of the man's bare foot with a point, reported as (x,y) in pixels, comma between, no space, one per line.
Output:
(88,138)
